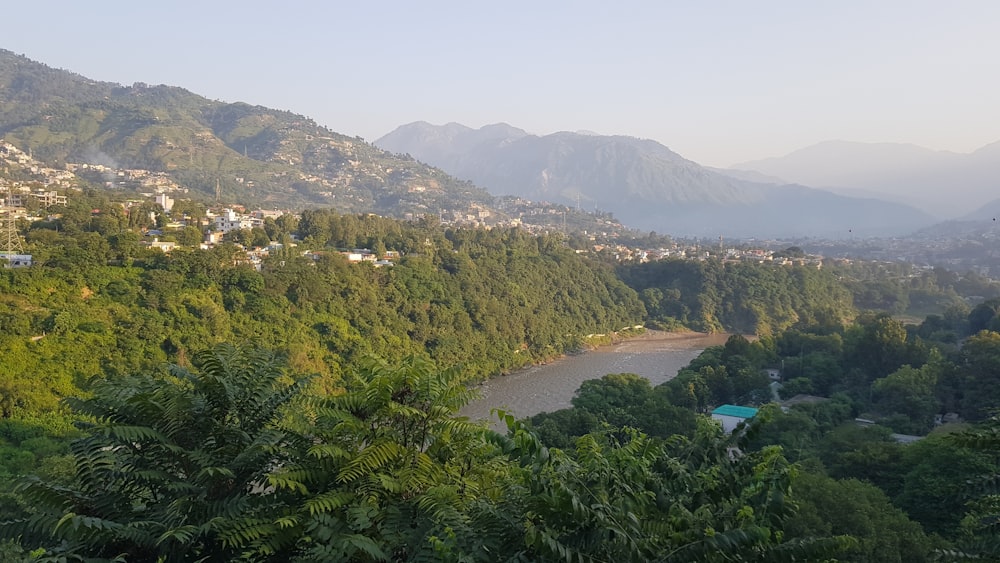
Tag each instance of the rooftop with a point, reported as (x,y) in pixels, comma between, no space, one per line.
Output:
(733,410)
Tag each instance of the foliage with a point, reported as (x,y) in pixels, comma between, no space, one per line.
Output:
(748,297)
(975,383)
(732,373)
(937,470)
(909,392)
(215,464)
(170,466)
(883,533)
(620,495)
(492,301)
(385,467)
(615,401)
(980,533)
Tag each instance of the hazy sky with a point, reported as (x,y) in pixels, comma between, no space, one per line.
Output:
(718,82)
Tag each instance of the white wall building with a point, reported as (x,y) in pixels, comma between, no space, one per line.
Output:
(229,220)
(165,202)
(730,416)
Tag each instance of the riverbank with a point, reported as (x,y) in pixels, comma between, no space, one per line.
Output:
(649,338)
(658,340)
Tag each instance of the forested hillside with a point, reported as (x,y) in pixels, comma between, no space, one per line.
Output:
(490,301)
(743,297)
(187,405)
(250,154)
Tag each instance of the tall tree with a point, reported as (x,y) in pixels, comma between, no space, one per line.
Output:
(171,465)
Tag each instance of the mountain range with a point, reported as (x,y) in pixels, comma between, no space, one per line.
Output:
(254,155)
(645,184)
(946,184)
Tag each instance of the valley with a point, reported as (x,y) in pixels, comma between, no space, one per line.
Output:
(230,332)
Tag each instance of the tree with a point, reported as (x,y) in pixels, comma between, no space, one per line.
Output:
(909,392)
(621,496)
(172,467)
(259,238)
(981,317)
(934,487)
(862,511)
(866,453)
(879,346)
(387,468)
(621,390)
(242,237)
(189,236)
(980,529)
(979,375)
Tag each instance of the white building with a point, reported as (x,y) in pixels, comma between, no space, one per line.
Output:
(731,416)
(165,202)
(229,220)
(11,260)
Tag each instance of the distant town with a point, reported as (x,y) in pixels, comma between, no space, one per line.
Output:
(30,189)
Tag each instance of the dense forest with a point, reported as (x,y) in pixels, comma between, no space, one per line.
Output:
(742,297)
(890,426)
(188,406)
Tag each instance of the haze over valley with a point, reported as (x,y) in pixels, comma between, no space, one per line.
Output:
(945,184)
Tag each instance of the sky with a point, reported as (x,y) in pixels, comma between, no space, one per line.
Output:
(718,82)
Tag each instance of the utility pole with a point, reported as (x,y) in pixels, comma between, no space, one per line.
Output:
(10,241)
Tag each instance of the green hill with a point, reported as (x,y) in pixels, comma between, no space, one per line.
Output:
(255,155)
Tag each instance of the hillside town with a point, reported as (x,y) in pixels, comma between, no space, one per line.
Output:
(33,191)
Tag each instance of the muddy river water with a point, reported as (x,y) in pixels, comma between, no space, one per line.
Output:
(656,356)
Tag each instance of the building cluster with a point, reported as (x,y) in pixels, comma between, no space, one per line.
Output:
(969,246)
(26,181)
(25,195)
(138,179)
(219,222)
(686,250)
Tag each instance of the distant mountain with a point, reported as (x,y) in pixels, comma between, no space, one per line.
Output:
(979,228)
(256,155)
(945,184)
(748,175)
(645,184)
(988,212)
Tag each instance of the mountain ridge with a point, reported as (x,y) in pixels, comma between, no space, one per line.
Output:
(643,183)
(255,155)
(946,184)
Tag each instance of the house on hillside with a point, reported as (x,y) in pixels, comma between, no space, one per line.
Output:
(162,246)
(230,220)
(12,260)
(730,416)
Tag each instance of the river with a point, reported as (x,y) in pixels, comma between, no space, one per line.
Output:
(657,356)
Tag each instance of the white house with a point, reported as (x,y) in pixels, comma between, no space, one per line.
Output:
(166,202)
(162,246)
(229,220)
(12,260)
(731,416)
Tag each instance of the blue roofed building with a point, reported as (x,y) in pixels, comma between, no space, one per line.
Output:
(730,416)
